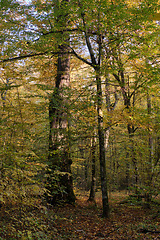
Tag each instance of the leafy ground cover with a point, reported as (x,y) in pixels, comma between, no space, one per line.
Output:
(128,220)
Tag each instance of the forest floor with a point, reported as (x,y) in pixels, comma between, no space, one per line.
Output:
(83,221)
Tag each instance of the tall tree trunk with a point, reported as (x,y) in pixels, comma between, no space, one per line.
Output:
(60,184)
(102,147)
(110,107)
(150,157)
(150,140)
(93,181)
(120,77)
(157,151)
(131,130)
(96,65)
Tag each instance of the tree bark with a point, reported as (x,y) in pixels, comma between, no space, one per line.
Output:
(102,148)
(95,63)
(93,181)
(130,127)
(150,157)
(60,183)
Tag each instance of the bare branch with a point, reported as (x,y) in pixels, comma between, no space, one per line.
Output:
(26,56)
(80,58)
(60,31)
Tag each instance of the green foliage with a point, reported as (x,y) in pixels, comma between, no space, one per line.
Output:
(53,184)
(129,59)
(19,184)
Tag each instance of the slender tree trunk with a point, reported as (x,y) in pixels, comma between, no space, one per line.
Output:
(157,151)
(127,171)
(60,182)
(150,157)
(102,148)
(110,107)
(131,130)
(150,140)
(130,127)
(134,160)
(96,63)
(93,181)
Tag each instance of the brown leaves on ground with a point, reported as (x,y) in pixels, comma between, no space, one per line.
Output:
(82,221)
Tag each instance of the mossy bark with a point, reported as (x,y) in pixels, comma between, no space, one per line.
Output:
(60,179)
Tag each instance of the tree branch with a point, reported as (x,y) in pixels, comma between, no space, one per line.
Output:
(93,59)
(26,56)
(60,31)
(80,58)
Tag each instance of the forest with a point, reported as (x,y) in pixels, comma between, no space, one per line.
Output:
(79,119)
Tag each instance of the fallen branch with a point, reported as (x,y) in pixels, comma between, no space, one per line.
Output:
(144,230)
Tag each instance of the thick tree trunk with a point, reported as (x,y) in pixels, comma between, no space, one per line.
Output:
(60,180)
(59,157)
